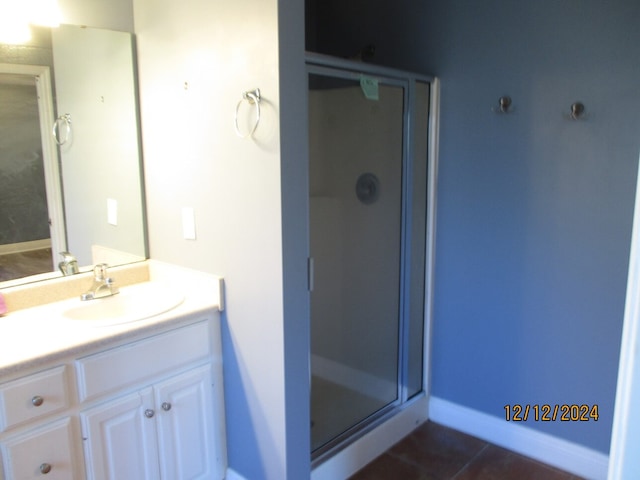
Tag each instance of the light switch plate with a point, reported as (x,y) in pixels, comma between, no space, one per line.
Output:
(188,223)
(112,211)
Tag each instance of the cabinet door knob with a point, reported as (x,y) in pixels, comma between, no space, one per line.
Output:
(37,400)
(45,468)
(149,413)
(166,406)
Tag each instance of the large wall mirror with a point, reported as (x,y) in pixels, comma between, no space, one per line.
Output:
(70,154)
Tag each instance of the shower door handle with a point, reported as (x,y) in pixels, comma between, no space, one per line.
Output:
(310,274)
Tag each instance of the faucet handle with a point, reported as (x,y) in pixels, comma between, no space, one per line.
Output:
(100,271)
(67,257)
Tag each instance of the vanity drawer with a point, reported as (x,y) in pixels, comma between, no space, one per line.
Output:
(139,362)
(47,452)
(33,396)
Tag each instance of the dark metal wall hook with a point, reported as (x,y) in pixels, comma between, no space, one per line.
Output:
(578,111)
(504,105)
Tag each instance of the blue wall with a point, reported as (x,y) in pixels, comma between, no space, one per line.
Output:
(534,210)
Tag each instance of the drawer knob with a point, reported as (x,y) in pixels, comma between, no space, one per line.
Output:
(149,413)
(45,468)
(37,401)
(166,406)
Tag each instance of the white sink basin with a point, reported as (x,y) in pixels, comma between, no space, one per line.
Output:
(133,303)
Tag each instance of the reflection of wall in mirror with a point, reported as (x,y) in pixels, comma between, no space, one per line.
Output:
(95,84)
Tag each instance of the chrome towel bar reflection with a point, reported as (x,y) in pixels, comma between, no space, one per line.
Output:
(252,97)
(62,121)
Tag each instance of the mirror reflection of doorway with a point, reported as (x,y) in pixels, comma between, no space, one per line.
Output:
(31,226)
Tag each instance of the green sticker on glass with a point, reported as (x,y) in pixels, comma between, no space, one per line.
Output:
(369,87)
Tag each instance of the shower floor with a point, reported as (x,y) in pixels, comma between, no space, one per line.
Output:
(336,408)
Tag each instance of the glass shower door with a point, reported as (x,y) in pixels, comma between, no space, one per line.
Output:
(356,199)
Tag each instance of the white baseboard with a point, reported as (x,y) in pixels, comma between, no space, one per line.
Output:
(562,454)
(359,453)
(25,246)
(233,475)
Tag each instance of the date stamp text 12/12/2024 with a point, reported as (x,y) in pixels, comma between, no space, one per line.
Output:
(551,413)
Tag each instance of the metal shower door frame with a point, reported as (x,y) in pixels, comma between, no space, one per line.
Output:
(346,69)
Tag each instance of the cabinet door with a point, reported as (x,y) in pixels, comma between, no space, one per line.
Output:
(43,451)
(189,441)
(120,439)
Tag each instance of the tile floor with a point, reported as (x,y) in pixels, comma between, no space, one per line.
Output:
(434,452)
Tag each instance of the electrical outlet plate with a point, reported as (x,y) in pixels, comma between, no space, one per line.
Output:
(188,223)
(112,211)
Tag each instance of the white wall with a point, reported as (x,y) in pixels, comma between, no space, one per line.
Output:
(112,14)
(195,60)
(245,194)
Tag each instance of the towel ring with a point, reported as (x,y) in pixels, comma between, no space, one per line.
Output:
(253,98)
(62,120)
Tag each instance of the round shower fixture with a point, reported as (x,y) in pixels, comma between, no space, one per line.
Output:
(368,188)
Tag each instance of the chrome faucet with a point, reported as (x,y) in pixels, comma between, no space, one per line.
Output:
(103,286)
(69,264)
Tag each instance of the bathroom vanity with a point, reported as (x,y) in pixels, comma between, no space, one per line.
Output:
(97,397)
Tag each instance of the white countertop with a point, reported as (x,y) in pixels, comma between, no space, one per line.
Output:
(42,334)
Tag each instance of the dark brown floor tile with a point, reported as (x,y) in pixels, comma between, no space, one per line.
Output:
(439,451)
(387,467)
(495,463)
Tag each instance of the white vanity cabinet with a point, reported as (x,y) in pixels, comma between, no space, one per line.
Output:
(169,426)
(36,431)
(150,409)
(44,452)
(187,428)
(167,431)
(119,440)
(34,396)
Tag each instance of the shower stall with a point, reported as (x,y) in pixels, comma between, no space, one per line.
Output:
(371,191)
